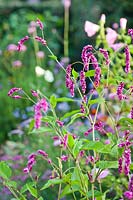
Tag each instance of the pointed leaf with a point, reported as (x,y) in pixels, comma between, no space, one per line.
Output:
(5,171)
(50,182)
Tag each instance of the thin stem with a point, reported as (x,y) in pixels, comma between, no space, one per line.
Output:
(59,191)
(56,58)
(92,189)
(66,30)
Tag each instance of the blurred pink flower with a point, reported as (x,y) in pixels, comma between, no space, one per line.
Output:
(12,47)
(23,48)
(90,28)
(115,25)
(117,46)
(31,30)
(66,3)
(17,63)
(111,36)
(123,23)
(40,54)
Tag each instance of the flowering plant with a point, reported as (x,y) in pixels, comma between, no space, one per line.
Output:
(87,162)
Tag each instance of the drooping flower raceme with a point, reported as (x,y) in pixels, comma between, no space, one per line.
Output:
(106,55)
(127,53)
(39,23)
(14,90)
(41,105)
(21,42)
(130,32)
(69,81)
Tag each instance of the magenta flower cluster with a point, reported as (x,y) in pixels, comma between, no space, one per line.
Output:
(40,106)
(69,81)
(32,160)
(127,53)
(12,91)
(21,42)
(129,193)
(125,160)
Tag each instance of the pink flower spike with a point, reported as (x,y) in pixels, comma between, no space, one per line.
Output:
(128,56)
(106,55)
(13,90)
(40,24)
(64,158)
(43,153)
(20,43)
(26,170)
(16,97)
(34,93)
(44,105)
(128,195)
(41,40)
(130,32)
(132,113)
(60,123)
(65,141)
(90,28)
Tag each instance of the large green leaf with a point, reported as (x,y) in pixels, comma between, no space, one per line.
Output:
(96,193)
(90,73)
(97,146)
(50,182)
(69,114)
(94,101)
(32,190)
(41,130)
(64,99)
(107,164)
(5,171)
(53,101)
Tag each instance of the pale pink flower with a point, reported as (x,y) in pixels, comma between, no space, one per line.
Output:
(117,46)
(123,23)
(90,28)
(111,36)
(66,3)
(40,54)
(12,47)
(17,63)
(103,18)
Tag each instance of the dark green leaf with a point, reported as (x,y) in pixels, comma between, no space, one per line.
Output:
(96,193)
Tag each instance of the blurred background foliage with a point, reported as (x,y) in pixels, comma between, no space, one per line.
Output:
(15,17)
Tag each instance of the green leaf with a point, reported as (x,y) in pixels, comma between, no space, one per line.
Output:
(5,171)
(90,73)
(96,193)
(107,164)
(69,114)
(52,182)
(53,101)
(32,190)
(94,101)
(68,190)
(53,57)
(71,141)
(31,125)
(48,119)
(97,146)
(74,117)
(11,184)
(75,74)
(41,198)
(77,147)
(24,187)
(41,130)
(125,120)
(64,99)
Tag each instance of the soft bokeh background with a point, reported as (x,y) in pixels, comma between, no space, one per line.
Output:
(21,69)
